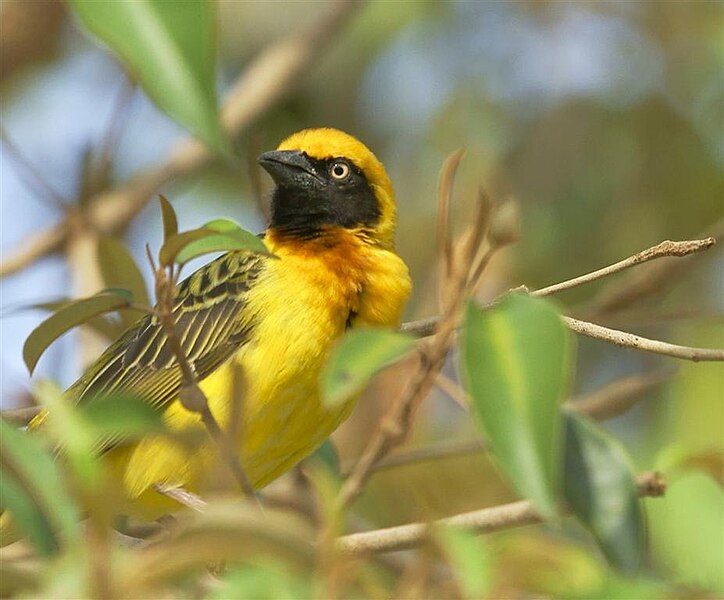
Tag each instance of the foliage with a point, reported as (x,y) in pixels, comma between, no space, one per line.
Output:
(516,357)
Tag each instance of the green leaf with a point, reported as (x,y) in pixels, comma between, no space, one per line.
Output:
(226,236)
(32,490)
(171,48)
(119,270)
(601,491)
(357,358)
(469,559)
(73,314)
(71,432)
(515,360)
(123,417)
(102,325)
(168,214)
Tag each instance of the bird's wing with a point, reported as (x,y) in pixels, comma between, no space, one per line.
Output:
(211,323)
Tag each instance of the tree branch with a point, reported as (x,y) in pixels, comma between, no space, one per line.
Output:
(630,340)
(665,248)
(395,425)
(485,520)
(264,82)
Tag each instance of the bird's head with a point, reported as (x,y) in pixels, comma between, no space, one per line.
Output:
(327,179)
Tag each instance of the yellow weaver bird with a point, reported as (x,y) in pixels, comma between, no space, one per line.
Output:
(332,228)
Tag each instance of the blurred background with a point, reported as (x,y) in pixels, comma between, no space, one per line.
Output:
(603,120)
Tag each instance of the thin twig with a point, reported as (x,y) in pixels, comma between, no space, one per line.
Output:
(396,424)
(191,395)
(34,179)
(111,138)
(630,340)
(619,396)
(425,453)
(665,248)
(651,279)
(453,391)
(182,496)
(485,520)
(265,82)
(21,416)
(444,196)
(425,327)
(607,402)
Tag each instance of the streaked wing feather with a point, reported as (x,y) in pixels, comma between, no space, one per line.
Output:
(211,322)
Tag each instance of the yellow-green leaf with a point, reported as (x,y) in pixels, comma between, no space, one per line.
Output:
(121,417)
(119,270)
(71,315)
(220,235)
(168,214)
(71,432)
(515,361)
(469,558)
(357,358)
(33,492)
(229,236)
(171,49)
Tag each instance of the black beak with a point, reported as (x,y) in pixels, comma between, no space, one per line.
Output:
(288,167)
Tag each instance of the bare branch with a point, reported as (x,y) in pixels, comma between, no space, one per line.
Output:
(191,396)
(444,199)
(425,453)
(619,396)
(485,520)
(35,247)
(182,496)
(665,248)
(264,82)
(21,416)
(630,340)
(396,423)
(34,179)
(642,283)
(453,391)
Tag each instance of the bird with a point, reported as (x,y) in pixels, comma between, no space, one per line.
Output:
(332,266)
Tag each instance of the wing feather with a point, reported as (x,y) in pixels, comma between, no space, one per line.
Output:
(212,322)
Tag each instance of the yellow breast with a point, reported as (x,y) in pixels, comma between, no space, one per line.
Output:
(302,302)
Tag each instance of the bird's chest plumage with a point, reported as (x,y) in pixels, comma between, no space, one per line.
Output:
(303,302)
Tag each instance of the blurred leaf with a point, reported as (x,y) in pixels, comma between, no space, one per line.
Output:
(171,48)
(71,315)
(686,528)
(677,456)
(32,490)
(327,455)
(15,578)
(119,270)
(26,514)
(71,432)
(515,360)
(263,582)
(230,532)
(170,221)
(360,354)
(121,416)
(468,556)
(601,491)
(231,237)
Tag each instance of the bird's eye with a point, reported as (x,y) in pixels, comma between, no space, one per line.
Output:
(339,170)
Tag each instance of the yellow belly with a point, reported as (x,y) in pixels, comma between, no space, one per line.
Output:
(284,419)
